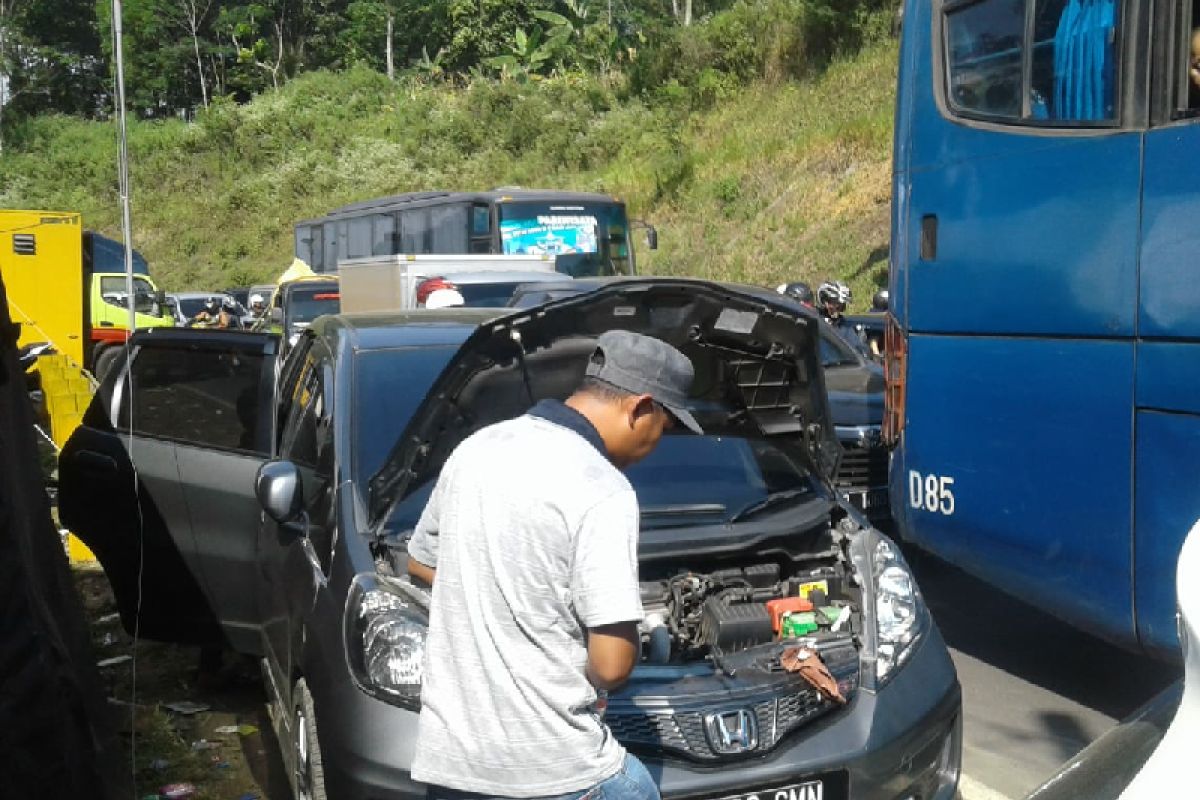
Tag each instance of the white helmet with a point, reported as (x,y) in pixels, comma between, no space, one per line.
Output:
(834,292)
(256,299)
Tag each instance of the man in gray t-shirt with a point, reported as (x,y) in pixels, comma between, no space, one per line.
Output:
(531,533)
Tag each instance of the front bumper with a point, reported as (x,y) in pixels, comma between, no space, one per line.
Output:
(904,741)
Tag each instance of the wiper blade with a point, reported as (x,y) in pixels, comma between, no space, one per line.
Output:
(770,500)
(683,509)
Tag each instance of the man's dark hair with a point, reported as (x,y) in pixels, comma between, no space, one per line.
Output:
(601,390)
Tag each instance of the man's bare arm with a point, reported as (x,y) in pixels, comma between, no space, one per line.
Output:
(421,571)
(612,654)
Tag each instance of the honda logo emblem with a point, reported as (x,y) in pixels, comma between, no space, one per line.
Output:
(732,731)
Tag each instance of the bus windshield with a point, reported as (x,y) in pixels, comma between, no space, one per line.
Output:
(587,239)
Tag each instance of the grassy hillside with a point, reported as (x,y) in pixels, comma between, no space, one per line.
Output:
(759,184)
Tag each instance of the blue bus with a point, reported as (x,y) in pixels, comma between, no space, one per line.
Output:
(1044,366)
(588,234)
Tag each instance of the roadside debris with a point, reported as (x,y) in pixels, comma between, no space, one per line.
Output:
(186,707)
(114,661)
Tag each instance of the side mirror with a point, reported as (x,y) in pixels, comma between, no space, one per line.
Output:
(278,490)
(276,315)
(652,237)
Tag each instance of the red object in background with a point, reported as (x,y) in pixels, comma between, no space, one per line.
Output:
(431,285)
(783,605)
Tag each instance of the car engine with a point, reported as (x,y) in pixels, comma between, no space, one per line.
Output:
(692,615)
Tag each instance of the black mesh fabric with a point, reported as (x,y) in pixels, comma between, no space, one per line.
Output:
(53,733)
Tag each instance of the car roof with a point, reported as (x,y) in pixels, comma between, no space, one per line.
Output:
(196,295)
(418,327)
(505,276)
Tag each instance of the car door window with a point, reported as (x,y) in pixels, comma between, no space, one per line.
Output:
(207,396)
(308,443)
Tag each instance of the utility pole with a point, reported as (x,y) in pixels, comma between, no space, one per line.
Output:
(391,72)
(123,163)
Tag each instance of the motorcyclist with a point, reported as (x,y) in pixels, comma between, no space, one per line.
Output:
(832,298)
(258,305)
(217,313)
(880,300)
(798,291)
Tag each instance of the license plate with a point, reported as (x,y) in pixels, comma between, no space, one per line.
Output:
(870,499)
(834,786)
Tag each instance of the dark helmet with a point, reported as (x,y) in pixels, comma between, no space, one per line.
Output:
(212,305)
(797,290)
(229,305)
(879,302)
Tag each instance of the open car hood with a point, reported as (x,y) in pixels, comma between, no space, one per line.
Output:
(758,372)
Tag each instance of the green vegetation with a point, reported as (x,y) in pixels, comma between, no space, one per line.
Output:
(760,156)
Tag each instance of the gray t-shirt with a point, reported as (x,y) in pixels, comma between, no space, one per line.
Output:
(534,536)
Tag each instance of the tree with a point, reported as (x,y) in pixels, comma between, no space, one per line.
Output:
(192,16)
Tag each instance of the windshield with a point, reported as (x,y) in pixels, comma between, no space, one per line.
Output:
(112,289)
(191,306)
(686,480)
(834,350)
(389,385)
(587,239)
(306,303)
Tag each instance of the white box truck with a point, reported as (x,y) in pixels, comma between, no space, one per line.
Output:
(405,282)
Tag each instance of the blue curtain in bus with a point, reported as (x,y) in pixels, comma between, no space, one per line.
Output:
(1084,63)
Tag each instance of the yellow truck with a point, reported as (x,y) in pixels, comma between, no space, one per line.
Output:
(67,286)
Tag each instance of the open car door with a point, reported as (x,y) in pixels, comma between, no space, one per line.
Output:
(159,482)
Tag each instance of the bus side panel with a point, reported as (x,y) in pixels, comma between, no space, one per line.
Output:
(1168,505)
(1042,241)
(1167,496)
(1015,466)
(1170,293)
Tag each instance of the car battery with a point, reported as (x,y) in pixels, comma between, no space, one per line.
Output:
(734,626)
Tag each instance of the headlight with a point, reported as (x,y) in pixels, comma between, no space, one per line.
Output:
(899,612)
(385,638)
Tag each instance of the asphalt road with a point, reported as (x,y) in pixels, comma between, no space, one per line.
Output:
(1035,691)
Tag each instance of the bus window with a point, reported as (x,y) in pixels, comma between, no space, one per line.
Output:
(329,262)
(449,227)
(1190,100)
(481,229)
(383,235)
(983,46)
(414,231)
(343,240)
(1073,57)
(316,248)
(359,242)
(586,240)
(304,243)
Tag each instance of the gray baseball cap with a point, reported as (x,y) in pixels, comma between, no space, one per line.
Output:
(644,365)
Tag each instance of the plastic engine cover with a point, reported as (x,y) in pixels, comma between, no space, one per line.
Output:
(735,626)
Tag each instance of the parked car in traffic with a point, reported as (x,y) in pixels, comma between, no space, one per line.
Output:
(854,382)
(296,304)
(184,306)
(341,452)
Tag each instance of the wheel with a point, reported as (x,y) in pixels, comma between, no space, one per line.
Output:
(107,359)
(308,769)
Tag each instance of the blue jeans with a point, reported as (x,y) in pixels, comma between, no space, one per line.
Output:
(631,782)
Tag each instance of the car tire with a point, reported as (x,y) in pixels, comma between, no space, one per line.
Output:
(106,361)
(309,769)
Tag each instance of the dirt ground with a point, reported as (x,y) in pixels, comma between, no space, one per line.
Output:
(176,726)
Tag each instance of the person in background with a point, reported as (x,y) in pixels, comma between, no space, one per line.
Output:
(799,291)
(832,299)
(536,598)
(258,306)
(216,314)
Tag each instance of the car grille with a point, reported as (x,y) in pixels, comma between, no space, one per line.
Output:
(862,467)
(682,733)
